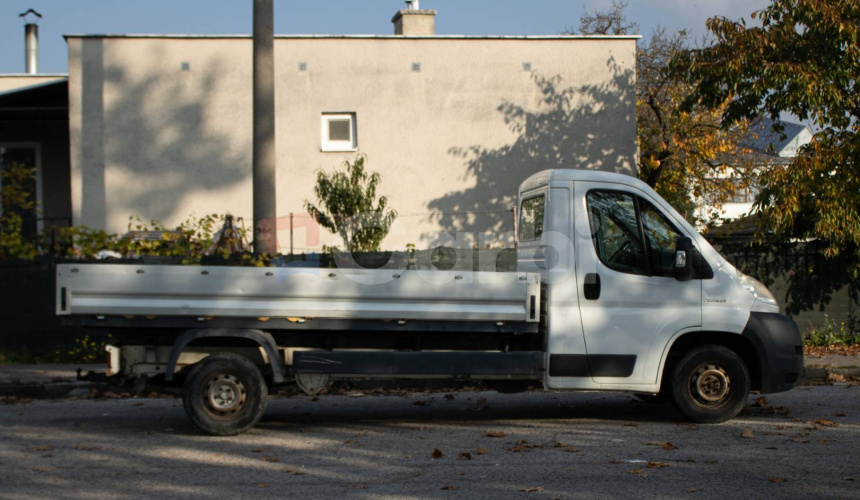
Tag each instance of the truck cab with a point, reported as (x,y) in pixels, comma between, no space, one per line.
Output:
(635,299)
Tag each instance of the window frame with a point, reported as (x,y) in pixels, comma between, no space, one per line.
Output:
(328,145)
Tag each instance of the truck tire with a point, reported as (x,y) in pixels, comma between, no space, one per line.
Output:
(710,384)
(224,394)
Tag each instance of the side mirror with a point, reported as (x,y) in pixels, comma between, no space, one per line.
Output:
(684,259)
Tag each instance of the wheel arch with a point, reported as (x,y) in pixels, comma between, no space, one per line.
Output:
(740,345)
(246,337)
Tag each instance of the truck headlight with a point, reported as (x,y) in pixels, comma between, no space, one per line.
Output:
(756,289)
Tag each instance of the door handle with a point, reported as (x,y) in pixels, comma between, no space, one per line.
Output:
(592,286)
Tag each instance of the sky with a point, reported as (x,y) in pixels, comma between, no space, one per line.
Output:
(455,17)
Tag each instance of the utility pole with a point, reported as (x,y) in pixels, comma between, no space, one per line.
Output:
(264,187)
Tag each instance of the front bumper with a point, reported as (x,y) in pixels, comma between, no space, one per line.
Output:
(780,350)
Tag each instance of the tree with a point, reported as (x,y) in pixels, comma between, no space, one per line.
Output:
(683,153)
(348,200)
(803,59)
(16,201)
(607,22)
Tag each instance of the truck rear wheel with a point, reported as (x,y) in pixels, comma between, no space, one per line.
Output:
(710,384)
(224,394)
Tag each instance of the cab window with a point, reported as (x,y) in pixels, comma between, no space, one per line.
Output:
(631,235)
(531,217)
(615,231)
(661,236)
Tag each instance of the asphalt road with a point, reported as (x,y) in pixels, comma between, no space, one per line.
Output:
(549,445)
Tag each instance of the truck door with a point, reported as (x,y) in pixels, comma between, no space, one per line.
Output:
(630,302)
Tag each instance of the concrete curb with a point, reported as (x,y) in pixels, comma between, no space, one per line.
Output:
(49,391)
(817,373)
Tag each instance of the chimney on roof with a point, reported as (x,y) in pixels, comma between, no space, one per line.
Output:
(412,21)
(31,43)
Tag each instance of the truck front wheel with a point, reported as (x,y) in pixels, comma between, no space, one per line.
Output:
(710,384)
(224,394)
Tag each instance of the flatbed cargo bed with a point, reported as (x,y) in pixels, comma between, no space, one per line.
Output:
(293,296)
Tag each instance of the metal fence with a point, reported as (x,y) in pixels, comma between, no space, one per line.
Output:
(807,284)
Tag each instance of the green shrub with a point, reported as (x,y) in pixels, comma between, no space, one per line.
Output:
(831,333)
(16,200)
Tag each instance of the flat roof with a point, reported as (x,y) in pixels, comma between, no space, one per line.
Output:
(362,37)
(37,75)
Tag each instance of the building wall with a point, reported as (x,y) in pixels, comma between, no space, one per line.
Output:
(452,141)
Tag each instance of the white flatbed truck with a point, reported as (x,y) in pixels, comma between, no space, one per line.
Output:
(614,291)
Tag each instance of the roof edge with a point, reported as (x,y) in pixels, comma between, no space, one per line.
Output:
(39,75)
(32,87)
(361,37)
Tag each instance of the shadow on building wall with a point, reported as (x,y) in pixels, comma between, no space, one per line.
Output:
(154,132)
(591,126)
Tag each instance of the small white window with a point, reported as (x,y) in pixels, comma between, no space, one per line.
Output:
(338,132)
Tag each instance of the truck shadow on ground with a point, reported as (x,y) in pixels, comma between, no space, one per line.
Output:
(514,409)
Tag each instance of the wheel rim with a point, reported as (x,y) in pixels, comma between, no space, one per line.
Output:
(224,394)
(710,384)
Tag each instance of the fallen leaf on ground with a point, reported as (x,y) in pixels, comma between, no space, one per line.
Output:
(669,446)
(630,424)
(462,473)
(87,448)
(761,401)
(824,422)
(262,485)
(294,471)
(536,489)
(634,471)
(494,434)
(271,459)
(43,469)
(693,490)
(801,440)
(516,449)
(747,433)
(350,441)
(657,465)
(449,487)
(841,414)
(778,480)
(571,449)
(257,450)
(420,403)
(41,447)
(848,478)
(437,453)
(464,455)
(482,451)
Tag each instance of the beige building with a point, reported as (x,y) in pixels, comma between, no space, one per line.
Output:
(160,125)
